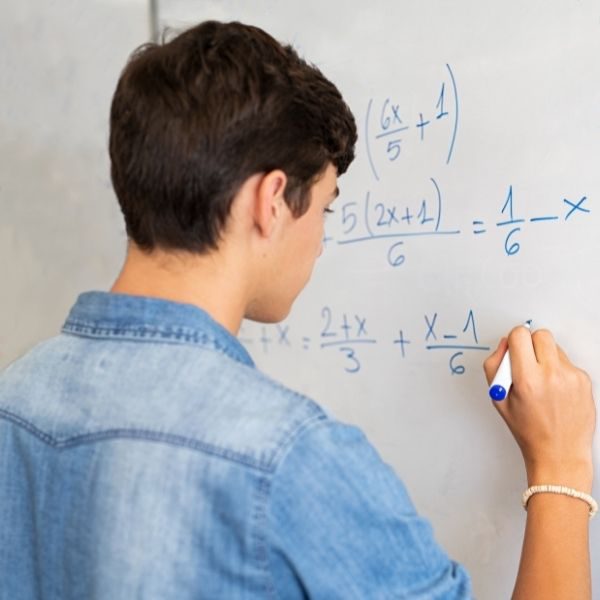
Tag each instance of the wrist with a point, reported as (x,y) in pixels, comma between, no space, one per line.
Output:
(578,475)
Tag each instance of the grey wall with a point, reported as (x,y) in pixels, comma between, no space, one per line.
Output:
(60,227)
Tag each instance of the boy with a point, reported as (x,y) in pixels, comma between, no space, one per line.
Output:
(143,455)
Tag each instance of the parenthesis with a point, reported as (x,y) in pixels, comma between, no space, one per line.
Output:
(439,201)
(367,224)
(371,163)
(455,113)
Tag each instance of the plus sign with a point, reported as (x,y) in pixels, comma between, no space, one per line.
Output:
(265,340)
(402,342)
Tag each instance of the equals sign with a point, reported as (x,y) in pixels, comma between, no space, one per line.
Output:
(305,343)
(476,226)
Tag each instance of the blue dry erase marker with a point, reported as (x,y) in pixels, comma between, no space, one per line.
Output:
(502,381)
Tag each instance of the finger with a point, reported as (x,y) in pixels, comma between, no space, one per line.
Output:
(562,355)
(492,362)
(544,346)
(522,355)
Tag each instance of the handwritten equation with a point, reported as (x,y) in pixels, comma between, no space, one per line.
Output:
(371,219)
(396,121)
(350,336)
(388,129)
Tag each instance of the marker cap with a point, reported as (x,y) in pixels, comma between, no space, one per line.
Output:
(497,392)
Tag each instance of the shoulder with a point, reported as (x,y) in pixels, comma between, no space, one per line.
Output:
(268,416)
(334,455)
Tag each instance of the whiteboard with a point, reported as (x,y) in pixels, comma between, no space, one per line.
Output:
(472,205)
(466,111)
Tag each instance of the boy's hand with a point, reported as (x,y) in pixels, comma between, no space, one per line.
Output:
(549,410)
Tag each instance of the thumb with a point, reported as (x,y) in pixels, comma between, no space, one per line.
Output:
(492,362)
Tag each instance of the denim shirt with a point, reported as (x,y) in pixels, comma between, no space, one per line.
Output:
(142,455)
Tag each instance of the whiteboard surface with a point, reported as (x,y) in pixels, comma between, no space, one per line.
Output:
(464,109)
(384,346)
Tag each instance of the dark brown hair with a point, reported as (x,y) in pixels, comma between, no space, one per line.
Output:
(193,118)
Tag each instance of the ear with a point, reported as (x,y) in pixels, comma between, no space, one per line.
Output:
(269,201)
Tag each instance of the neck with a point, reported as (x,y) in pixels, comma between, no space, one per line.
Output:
(201,280)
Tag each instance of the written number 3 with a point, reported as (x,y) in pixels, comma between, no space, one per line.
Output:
(353,364)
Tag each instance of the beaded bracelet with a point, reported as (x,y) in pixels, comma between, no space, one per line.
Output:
(560,489)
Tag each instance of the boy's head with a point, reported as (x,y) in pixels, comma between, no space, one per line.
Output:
(194,118)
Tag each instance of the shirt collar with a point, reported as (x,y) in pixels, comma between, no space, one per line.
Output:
(106,314)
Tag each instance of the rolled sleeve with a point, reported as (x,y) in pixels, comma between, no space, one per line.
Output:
(343,525)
